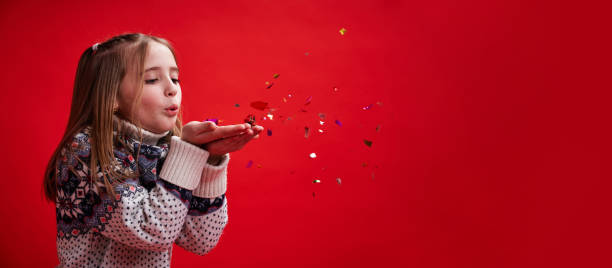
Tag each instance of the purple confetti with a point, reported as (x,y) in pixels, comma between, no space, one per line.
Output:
(249,164)
(214,120)
(269,132)
(338,123)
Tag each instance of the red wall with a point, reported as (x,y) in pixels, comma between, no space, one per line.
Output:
(481,159)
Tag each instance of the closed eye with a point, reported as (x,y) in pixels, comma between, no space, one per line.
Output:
(151,81)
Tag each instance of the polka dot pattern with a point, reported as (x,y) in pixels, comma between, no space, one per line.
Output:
(140,228)
(201,234)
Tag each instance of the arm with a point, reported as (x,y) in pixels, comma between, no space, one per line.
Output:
(148,220)
(207,215)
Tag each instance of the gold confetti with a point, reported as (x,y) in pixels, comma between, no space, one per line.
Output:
(276,76)
(284,100)
(339,180)
(342,31)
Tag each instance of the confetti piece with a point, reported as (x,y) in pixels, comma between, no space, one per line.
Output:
(269,132)
(342,31)
(336,89)
(269,86)
(378,128)
(308,100)
(364,164)
(271,116)
(306,132)
(316,181)
(379,103)
(284,100)
(320,131)
(258,165)
(306,53)
(259,105)
(322,115)
(321,123)
(303,111)
(368,143)
(276,76)
(338,123)
(313,155)
(290,96)
(339,180)
(250,119)
(214,120)
(237,105)
(367,107)
(249,164)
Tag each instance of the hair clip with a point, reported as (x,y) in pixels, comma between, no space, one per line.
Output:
(95,46)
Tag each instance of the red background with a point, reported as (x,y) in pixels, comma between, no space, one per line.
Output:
(481,160)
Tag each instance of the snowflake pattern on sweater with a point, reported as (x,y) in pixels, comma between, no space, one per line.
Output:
(149,214)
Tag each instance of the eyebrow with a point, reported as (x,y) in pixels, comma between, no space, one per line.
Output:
(158,68)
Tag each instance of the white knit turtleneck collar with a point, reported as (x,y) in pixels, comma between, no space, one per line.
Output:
(131,130)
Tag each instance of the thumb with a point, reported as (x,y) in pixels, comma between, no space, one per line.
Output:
(205,126)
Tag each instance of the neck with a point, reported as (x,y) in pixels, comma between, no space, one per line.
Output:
(132,131)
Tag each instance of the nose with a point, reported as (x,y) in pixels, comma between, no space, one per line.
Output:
(171,88)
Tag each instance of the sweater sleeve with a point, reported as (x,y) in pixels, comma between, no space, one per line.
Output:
(207,215)
(137,217)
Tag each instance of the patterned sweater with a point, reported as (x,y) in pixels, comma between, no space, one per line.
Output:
(177,198)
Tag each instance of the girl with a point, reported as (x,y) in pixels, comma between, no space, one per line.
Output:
(128,179)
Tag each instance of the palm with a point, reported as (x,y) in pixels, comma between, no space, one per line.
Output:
(233,143)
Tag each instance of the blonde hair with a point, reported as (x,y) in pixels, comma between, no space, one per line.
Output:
(96,86)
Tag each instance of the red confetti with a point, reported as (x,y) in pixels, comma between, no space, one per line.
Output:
(259,105)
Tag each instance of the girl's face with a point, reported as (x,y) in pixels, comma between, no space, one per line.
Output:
(161,93)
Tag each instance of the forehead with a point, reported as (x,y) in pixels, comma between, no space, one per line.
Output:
(159,55)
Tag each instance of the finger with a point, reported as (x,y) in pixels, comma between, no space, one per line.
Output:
(205,126)
(221,132)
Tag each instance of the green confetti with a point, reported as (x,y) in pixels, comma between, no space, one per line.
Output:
(368,143)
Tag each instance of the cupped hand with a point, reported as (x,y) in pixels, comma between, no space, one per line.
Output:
(199,133)
(233,143)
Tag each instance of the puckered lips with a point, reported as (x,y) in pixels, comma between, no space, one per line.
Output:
(172,110)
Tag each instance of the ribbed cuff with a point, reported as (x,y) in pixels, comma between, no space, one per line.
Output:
(213,182)
(184,164)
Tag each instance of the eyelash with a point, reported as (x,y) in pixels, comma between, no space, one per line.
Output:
(153,80)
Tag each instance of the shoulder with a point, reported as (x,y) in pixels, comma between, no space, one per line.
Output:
(79,145)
